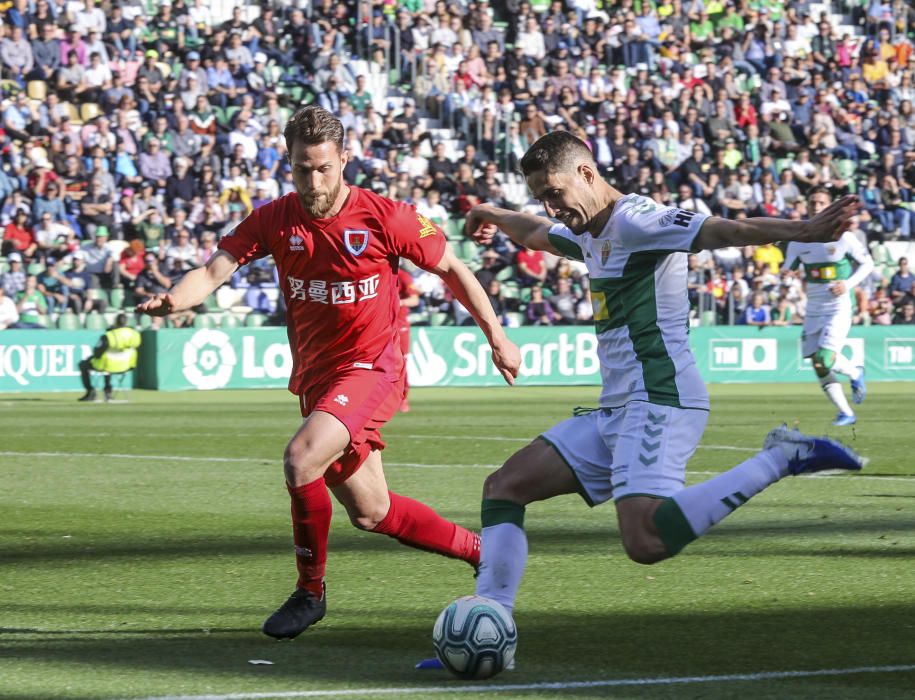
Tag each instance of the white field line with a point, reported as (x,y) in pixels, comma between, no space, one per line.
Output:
(408,465)
(568,685)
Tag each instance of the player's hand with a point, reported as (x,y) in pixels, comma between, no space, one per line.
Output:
(478,226)
(507,358)
(838,288)
(833,221)
(159,305)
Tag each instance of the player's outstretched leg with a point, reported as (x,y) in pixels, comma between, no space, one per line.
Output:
(826,363)
(855,374)
(534,473)
(690,513)
(416,525)
(311,515)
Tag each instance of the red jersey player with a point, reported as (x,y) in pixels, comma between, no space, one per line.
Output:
(336,249)
(409,300)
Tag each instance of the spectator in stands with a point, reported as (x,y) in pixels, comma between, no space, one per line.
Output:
(901,282)
(539,311)
(100,262)
(9,316)
(757,313)
(18,236)
(905,316)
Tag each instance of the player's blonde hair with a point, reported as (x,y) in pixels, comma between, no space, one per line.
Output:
(313,125)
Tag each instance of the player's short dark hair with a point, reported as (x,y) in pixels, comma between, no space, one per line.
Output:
(555,152)
(819,189)
(313,125)
(120,320)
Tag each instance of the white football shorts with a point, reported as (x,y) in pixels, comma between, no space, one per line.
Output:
(827,332)
(640,449)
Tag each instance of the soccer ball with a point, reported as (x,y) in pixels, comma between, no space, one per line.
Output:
(475,637)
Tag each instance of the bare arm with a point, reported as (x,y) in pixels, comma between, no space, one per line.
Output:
(461,281)
(527,230)
(193,288)
(826,226)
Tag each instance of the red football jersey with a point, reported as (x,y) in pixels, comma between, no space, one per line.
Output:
(406,288)
(338,276)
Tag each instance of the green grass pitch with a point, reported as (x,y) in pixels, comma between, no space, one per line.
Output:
(143,544)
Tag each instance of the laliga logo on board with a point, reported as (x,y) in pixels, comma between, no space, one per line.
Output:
(209,359)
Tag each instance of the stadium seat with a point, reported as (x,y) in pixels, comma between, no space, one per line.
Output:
(72,112)
(455,230)
(255,320)
(35,268)
(439,318)
(37,90)
(117,297)
(144,321)
(229,320)
(68,321)
(516,319)
(97,295)
(511,290)
(95,322)
(89,111)
(204,321)
(505,274)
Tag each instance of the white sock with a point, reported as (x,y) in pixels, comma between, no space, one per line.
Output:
(835,393)
(503,554)
(708,503)
(843,365)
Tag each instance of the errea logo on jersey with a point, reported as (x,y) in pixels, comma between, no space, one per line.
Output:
(341,399)
(428,228)
(296,242)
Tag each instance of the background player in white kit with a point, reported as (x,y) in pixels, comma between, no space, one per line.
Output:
(653,405)
(831,277)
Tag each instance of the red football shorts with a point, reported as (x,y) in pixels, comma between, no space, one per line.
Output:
(404,333)
(363,400)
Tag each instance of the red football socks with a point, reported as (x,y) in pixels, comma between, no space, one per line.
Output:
(416,525)
(311,511)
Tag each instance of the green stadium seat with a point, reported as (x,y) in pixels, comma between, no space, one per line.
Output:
(255,320)
(439,318)
(204,321)
(505,274)
(511,290)
(97,295)
(117,297)
(229,320)
(95,322)
(707,318)
(35,269)
(144,322)
(454,230)
(68,321)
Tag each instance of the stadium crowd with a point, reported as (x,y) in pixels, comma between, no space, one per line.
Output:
(135,134)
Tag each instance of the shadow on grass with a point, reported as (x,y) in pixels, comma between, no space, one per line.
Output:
(551,648)
(600,534)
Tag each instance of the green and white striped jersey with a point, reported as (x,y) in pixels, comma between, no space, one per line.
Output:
(637,267)
(825,263)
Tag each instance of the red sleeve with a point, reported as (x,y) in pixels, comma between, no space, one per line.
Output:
(413,236)
(406,286)
(248,241)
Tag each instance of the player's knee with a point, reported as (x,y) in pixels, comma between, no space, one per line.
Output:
(367,520)
(505,484)
(823,360)
(301,463)
(644,548)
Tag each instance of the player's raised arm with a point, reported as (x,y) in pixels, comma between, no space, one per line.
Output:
(193,288)
(527,230)
(467,289)
(826,226)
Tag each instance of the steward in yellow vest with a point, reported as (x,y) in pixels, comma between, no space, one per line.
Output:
(115,353)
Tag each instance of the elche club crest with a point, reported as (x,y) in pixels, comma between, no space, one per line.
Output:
(356,240)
